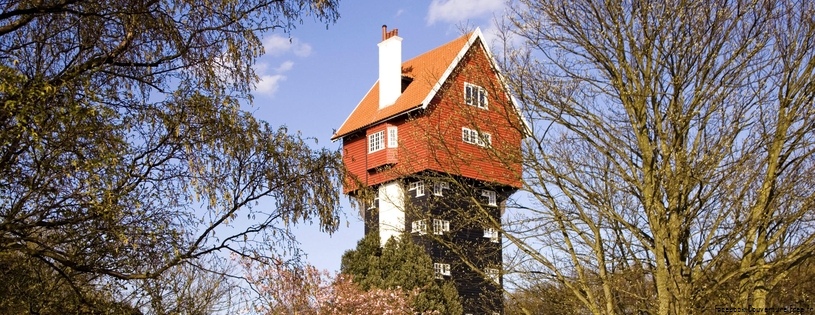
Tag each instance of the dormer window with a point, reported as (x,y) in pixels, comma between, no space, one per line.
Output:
(376,141)
(475,95)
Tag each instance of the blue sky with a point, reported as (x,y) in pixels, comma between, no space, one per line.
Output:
(312,82)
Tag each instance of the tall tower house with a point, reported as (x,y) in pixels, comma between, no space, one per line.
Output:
(433,150)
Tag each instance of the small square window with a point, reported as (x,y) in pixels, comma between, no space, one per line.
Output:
(475,95)
(493,274)
(419,227)
(492,234)
(491,198)
(393,137)
(438,188)
(376,141)
(418,187)
(374,203)
(441,270)
(440,226)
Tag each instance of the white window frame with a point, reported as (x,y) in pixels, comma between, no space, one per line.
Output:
(441,270)
(418,187)
(419,227)
(438,188)
(493,274)
(440,226)
(492,199)
(475,95)
(374,202)
(492,234)
(376,141)
(472,136)
(393,137)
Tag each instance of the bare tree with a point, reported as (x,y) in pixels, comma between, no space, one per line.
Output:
(668,138)
(124,153)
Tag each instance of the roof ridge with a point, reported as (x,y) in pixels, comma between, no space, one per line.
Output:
(439,47)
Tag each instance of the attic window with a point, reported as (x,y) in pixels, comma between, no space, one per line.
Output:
(475,95)
(406,80)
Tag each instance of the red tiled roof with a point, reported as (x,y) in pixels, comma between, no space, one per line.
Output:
(426,70)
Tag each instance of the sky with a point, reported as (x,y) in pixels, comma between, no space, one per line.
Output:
(313,77)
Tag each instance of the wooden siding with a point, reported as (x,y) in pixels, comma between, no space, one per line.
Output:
(432,139)
(461,206)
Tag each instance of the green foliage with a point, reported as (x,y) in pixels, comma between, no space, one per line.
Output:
(400,263)
(123,149)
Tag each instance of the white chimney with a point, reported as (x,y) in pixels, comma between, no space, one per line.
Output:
(390,67)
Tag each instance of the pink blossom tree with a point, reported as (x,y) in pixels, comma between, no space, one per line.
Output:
(305,290)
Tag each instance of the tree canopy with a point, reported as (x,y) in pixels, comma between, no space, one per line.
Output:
(671,153)
(123,149)
(400,264)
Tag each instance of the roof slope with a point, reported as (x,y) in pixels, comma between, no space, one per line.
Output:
(427,70)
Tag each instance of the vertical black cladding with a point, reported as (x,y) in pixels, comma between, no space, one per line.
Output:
(470,254)
(465,247)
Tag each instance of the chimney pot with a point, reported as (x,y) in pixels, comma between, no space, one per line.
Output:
(384,32)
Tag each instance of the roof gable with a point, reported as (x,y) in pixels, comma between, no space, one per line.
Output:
(428,71)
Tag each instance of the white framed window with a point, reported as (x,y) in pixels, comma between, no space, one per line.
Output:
(376,141)
(393,137)
(492,234)
(441,270)
(493,274)
(374,202)
(418,227)
(440,226)
(475,95)
(438,188)
(474,137)
(418,187)
(491,199)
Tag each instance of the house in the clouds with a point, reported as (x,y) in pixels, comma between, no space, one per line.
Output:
(433,150)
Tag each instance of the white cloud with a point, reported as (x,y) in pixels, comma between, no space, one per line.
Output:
(398,13)
(261,67)
(268,84)
(301,49)
(454,11)
(286,66)
(277,45)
